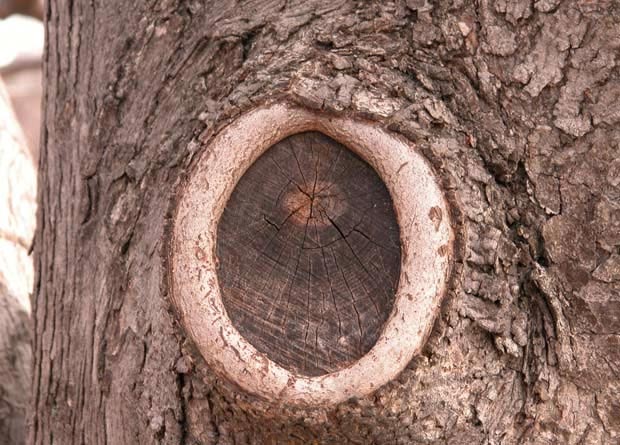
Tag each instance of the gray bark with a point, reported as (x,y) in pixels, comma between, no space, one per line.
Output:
(514,104)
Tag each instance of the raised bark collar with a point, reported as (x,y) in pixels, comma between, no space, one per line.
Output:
(201,286)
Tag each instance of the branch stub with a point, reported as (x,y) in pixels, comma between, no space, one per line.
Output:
(426,241)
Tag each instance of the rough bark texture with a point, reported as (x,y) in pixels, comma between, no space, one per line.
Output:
(17,217)
(514,103)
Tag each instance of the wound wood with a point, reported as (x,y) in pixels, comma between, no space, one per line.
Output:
(309,254)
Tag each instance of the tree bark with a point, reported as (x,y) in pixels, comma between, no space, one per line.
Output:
(514,105)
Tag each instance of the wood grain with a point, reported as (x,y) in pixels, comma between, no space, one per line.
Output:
(309,255)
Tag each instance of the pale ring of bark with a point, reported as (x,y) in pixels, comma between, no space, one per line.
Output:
(426,255)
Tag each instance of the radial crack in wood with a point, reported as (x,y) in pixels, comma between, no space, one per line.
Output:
(309,255)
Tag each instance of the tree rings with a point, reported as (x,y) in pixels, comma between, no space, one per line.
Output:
(299,201)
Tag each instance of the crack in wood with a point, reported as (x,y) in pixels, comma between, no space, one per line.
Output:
(309,255)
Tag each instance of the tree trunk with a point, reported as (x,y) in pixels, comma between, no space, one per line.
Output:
(513,103)
(17,201)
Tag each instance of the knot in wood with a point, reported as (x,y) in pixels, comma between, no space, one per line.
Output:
(309,255)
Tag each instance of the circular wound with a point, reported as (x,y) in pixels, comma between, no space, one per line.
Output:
(309,254)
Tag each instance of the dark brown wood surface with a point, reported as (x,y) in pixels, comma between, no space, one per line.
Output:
(309,254)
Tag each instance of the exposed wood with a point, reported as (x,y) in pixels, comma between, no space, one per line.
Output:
(309,254)
(513,103)
(427,253)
